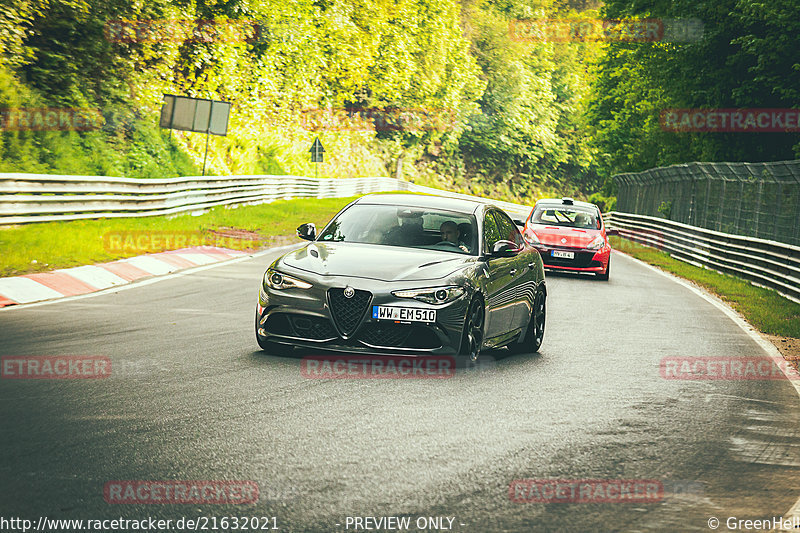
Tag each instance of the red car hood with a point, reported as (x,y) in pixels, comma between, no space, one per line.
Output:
(563,236)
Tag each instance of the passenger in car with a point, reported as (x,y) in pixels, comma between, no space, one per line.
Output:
(582,221)
(450,233)
(408,234)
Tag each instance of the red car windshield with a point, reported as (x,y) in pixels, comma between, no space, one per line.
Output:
(569,216)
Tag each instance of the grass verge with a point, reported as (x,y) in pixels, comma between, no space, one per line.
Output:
(47,246)
(765,309)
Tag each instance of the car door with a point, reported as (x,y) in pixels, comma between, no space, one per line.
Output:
(522,285)
(499,285)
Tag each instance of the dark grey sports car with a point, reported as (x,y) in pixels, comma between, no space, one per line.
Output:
(406,274)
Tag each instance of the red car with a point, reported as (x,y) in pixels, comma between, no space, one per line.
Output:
(570,235)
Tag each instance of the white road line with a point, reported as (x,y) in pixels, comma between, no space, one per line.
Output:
(95,276)
(794,511)
(198,259)
(135,284)
(152,265)
(24,290)
(737,319)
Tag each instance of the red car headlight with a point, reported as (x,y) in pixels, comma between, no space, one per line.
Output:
(531,237)
(597,243)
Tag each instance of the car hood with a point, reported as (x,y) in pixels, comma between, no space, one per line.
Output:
(574,237)
(385,263)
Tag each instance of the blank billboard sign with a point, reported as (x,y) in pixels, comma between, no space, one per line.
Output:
(195,114)
(202,112)
(218,124)
(183,114)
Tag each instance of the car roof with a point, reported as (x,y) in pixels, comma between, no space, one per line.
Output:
(423,200)
(558,201)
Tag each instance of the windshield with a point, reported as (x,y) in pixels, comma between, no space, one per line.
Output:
(570,216)
(409,227)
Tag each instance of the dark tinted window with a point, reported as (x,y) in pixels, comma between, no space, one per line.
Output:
(508,230)
(491,234)
(391,225)
(565,215)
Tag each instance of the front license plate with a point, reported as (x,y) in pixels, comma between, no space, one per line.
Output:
(563,255)
(403,314)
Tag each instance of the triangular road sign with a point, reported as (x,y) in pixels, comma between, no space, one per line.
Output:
(316,151)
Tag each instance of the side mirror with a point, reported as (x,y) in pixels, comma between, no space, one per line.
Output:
(610,232)
(307,231)
(504,249)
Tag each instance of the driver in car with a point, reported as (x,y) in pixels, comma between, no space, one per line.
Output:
(449,231)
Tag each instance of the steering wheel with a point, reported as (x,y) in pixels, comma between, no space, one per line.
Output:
(448,242)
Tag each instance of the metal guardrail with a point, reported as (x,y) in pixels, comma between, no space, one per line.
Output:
(27,198)
(758,199)
(772,264)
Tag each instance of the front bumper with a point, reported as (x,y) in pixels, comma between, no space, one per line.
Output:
(584,260)
(305,318)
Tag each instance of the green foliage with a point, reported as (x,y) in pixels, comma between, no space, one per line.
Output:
(747,58)
(523,118)
(605,203)
(665,208)
(514,111)
(123,147)
(530,131)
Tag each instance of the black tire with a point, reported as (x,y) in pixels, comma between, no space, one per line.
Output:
(272,348)
(472,337)
(534,335)
(604,276)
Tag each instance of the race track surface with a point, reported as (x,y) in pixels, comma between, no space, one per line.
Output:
(191,397)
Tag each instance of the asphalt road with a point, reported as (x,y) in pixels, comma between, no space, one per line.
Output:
(191,397)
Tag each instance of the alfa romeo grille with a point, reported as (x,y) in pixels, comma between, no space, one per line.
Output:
(348,312)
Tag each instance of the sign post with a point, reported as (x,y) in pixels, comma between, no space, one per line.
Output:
(195,114)
(316,155)
(205,156)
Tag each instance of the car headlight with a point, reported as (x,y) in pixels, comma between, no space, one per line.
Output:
(277,280)
(531,237)
(432,295)
(597,243)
